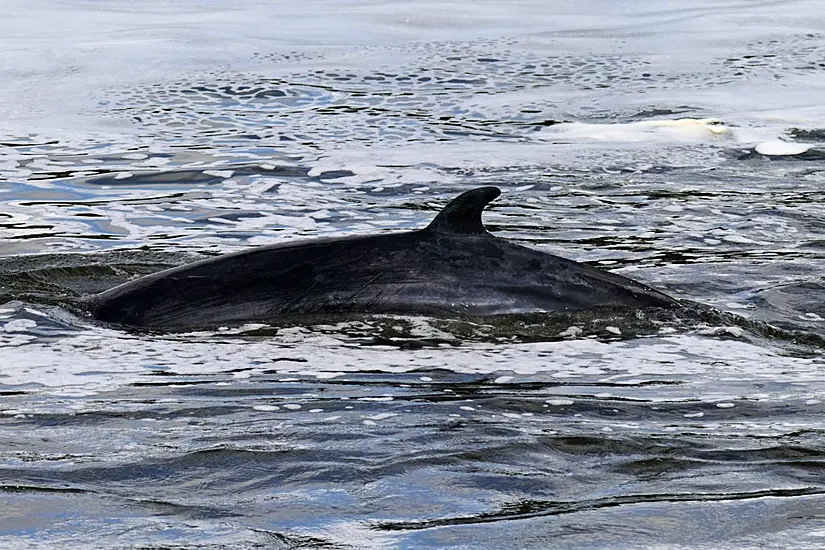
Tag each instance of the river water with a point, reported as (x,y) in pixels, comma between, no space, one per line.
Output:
(680,144)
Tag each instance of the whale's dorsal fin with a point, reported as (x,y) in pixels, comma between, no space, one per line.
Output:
(463,213)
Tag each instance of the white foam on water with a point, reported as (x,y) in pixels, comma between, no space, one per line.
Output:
(781,148)
(101,360)
(683,130)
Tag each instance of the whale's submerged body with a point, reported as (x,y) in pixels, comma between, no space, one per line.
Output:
(451,267)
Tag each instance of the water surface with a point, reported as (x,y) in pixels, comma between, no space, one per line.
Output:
(682,146)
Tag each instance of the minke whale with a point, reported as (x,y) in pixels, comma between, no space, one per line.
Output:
(452,267)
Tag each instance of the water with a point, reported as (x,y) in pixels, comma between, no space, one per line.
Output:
(140,135)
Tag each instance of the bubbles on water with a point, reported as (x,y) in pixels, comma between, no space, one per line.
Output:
(779,58)
(494,89)
(499,90)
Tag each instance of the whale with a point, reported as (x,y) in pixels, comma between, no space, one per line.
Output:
(452,267)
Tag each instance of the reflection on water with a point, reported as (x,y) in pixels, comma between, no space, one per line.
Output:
(680,146)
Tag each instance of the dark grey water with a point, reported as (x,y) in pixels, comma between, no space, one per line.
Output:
(681,145)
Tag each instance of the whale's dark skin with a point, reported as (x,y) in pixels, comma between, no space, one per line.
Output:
(452,267)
